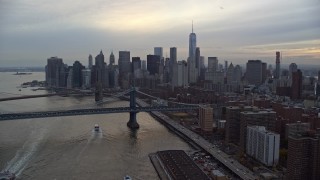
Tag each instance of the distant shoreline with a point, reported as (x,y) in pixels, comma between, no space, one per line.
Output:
(23,73)
(22,69)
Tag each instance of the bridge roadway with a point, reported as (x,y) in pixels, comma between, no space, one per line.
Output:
(44,114)
(37,96)
(232,164)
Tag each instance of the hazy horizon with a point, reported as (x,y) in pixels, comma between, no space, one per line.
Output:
(32,31)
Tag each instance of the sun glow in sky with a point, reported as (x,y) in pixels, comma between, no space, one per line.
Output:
(33,30)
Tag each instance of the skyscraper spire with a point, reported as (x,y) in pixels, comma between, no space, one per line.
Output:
(192,26)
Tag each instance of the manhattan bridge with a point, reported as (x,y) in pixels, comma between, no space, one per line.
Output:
(130,94)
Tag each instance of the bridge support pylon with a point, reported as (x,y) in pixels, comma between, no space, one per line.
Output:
(133,113)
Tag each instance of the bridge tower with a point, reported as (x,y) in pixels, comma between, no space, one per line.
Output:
(133,113)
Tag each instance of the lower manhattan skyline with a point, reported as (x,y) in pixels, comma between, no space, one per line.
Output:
(33,30)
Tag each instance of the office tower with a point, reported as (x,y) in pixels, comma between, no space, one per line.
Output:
(99,60)
(143,65)
(202,68)
(292,68)
(198,66)
(263,145)
(55,72)
(77,74)
(124,63)
(296,87)
(192,44)
(173,60)
(70,78)
(180,74)
(303,156)
(136,63)
(153,62)
(192,73)
(254,72)
(255,118)
(111,59)
(202,62)
(226,66)
(100,71)
(233,122)
(230,74)
(319,77)
(264,72)
(212,64)
(90,62)
(86,78)
(277,73)
(206,119)
(158,51)
(237,74)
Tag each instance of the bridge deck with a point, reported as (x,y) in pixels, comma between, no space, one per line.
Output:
(43,114)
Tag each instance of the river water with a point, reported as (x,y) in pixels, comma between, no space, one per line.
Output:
(67,147)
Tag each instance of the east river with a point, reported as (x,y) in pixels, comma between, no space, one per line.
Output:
(68,147)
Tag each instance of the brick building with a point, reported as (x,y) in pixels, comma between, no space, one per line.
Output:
(256,118)
(233,122)
(304,157)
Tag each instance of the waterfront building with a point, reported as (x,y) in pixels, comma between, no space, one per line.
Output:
(86,78)
(206,119)
(303,156)
(124,68)
(178,165)
(100,71)
(77,74)
(254,72)
(263,145)
(256,118)
(69,78)
(56,72)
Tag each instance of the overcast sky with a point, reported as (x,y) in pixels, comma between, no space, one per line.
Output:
(233,30)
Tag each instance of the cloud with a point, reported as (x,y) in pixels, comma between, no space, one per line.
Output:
(37,29)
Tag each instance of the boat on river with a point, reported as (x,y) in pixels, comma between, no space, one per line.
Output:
(96,127)
(127,178)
